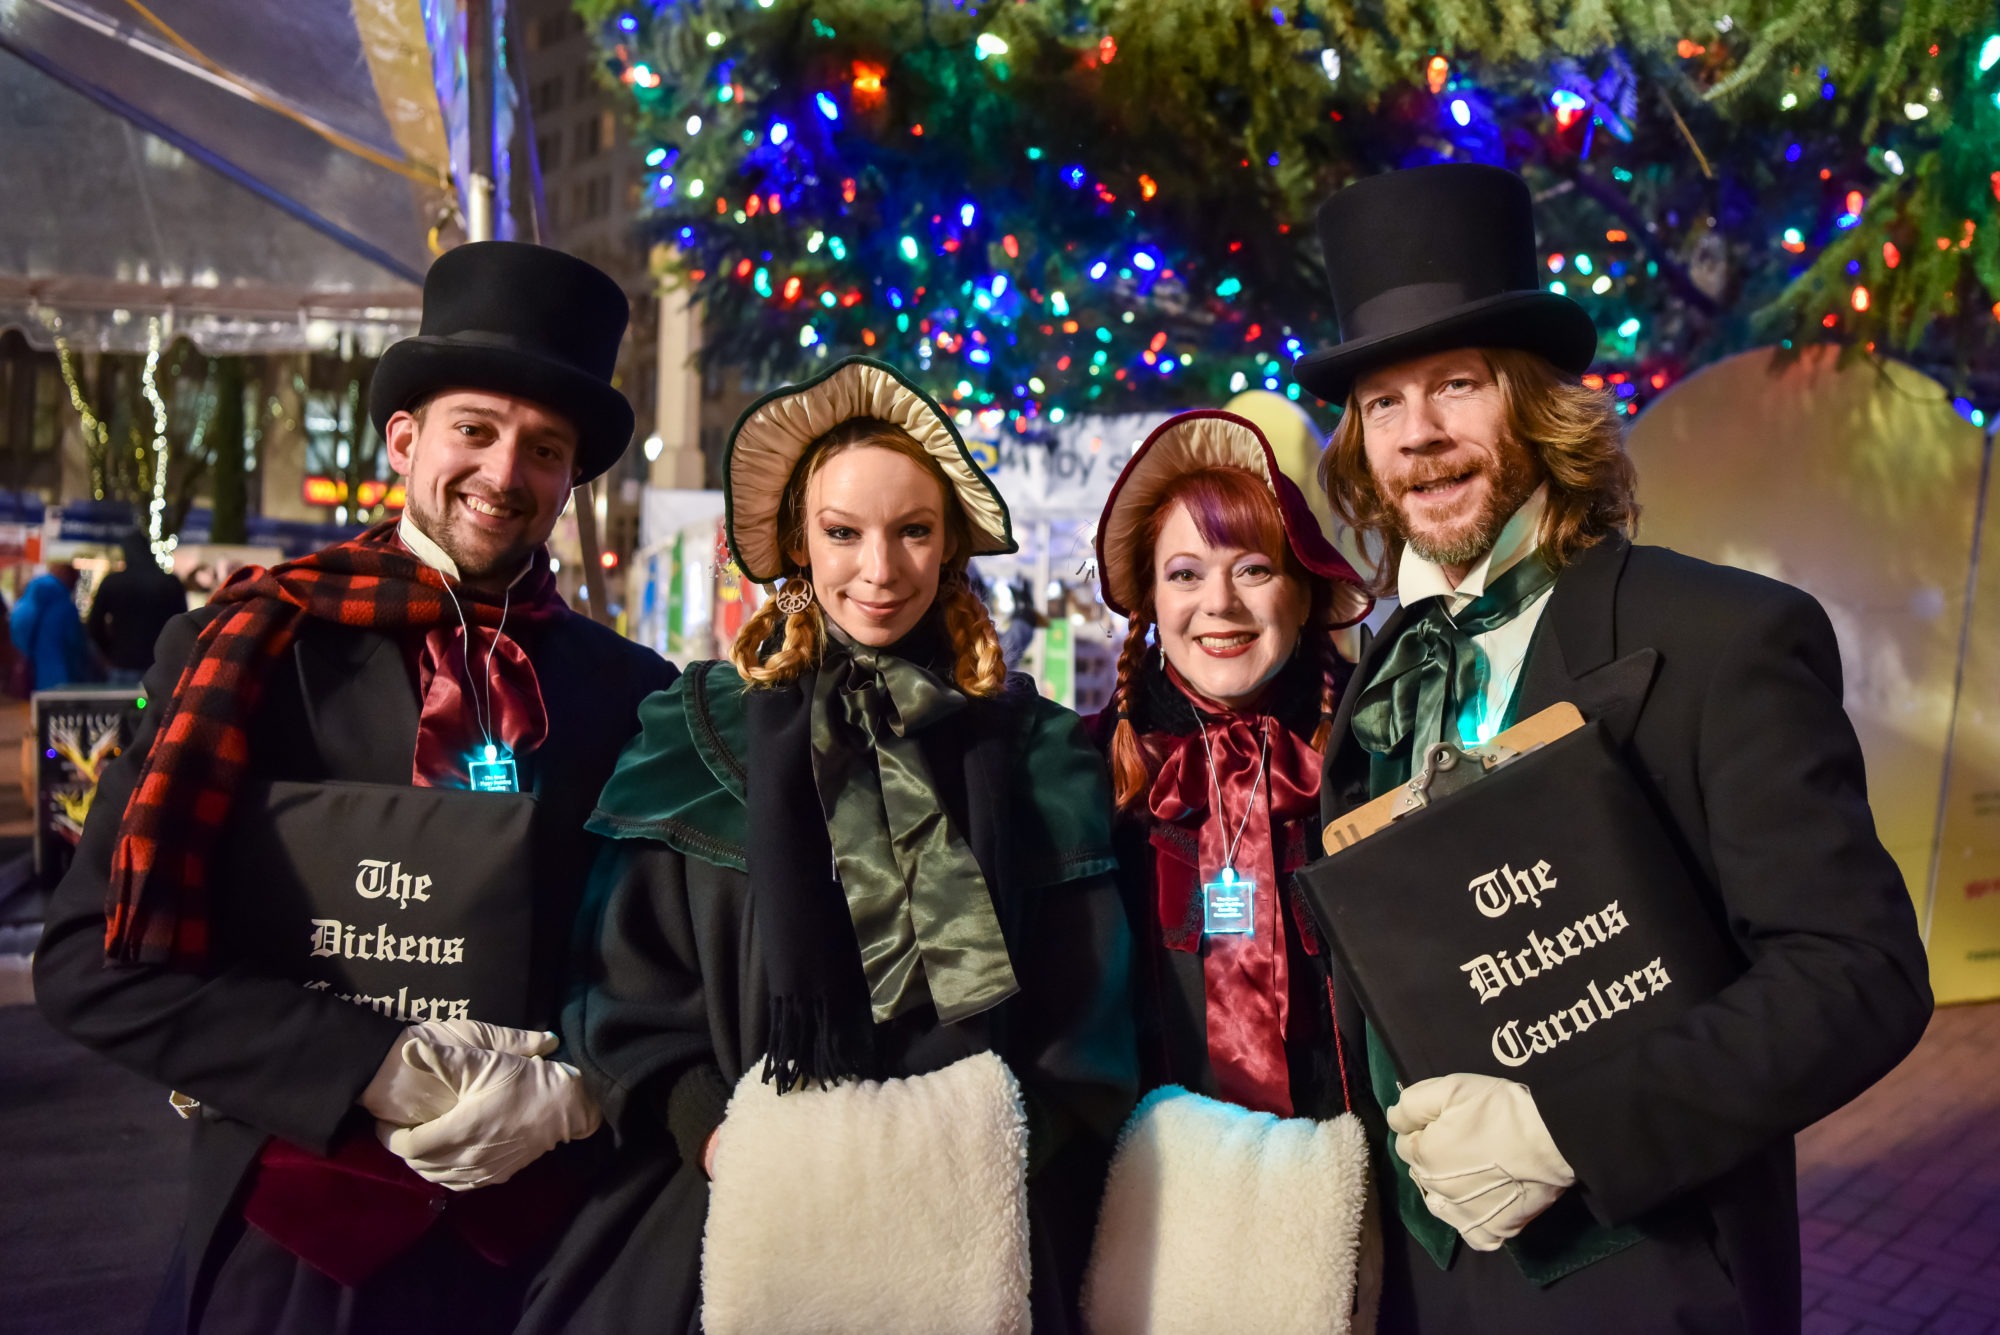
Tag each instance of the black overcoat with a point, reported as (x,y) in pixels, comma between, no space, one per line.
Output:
(265,1056)
(1725,689)
(671,1005)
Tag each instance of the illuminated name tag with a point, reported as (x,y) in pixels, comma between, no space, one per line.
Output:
(1228,905)
(493,774)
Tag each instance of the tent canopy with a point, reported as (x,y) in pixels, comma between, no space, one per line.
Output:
(271,174)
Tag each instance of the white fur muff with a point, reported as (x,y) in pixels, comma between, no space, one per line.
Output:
(1220,1219)
(896,1206)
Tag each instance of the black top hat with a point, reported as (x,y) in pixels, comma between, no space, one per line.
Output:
(1435,258)
(517,319)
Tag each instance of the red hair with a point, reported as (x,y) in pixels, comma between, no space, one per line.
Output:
(1230,507)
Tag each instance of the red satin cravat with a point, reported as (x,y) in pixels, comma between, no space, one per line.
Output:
(448,731)
(1245,978)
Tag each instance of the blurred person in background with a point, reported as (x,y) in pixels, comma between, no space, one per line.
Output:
(48,632)
(130,610)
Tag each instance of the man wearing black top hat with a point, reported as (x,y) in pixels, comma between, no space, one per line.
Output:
(376,1166)
(1499,487)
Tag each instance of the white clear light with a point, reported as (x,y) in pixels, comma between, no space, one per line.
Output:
(653,447)
(1788,101)
(966,213)
(814,242)
(1559,287)
(694,125)
(1035,383)
(1602,285)
(999,284)
(1894,161)
(1460,112)
(715,39)
(1916,111)
(1237,382)
(1329,61)
(780,132)
(554,565)
(989,45)
(1056,414)
(1989,53)
(808,336)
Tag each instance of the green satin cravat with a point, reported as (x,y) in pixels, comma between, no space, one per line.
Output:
(922,913)
(1432,672)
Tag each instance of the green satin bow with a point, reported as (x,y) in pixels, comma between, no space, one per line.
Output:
(1432,672)
(922,912)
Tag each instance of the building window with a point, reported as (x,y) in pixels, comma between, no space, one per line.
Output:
(548,151)
(546,96)
(607,130)
(585,78)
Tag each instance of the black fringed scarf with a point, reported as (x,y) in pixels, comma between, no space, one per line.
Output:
(821,1026)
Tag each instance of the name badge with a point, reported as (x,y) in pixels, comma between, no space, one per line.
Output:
(493,776)
(1228,905)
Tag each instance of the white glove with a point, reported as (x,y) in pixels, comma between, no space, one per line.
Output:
(405,1092)
(1478,1150)
(510,1110)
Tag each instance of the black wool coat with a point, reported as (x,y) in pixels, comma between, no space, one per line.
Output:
(265,1056)
(1724,689)
(671,1007)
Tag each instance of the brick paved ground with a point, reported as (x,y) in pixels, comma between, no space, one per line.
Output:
(1899,1193)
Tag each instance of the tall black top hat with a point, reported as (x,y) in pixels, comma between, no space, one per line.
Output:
(523,320)
(1435,258)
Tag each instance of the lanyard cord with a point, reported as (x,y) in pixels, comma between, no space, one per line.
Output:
(482,710)
(1263,753)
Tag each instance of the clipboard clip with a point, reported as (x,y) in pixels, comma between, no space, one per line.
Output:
(1448,767)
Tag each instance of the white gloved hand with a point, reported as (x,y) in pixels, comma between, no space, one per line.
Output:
(510,1111)
(1478,1150)
(406,1092)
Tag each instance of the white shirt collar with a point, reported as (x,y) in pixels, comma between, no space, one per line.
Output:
(436,557)
(1417,578)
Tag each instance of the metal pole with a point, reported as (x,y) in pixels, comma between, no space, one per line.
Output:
(479,93)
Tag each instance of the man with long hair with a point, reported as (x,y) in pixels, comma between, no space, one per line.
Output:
(1496,488)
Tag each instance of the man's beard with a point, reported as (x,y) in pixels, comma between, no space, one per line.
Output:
(472,564)
(1514,479)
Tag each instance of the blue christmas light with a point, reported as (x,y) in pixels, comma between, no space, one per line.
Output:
(1073,176)
(629,24)
(895,296)
(966,213)
(780,132)
(999,285)
(1144,260)
(1058,304)
(656,157)
(826,105)
(1460,111)
(980,356)
(1097,271)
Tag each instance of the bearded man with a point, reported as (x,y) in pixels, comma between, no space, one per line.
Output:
(1497,487)
(361,1161)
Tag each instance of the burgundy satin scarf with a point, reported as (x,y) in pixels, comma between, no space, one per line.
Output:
(1246,978)
(448,727)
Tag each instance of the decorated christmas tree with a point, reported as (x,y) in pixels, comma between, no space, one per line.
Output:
(1106,205)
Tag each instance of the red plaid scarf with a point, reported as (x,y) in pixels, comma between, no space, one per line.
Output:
(157,909)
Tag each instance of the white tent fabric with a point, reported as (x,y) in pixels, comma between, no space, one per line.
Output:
(272,174)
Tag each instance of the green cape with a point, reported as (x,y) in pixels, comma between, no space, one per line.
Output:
(681,781)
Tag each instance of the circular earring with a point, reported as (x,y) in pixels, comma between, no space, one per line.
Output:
(796,596)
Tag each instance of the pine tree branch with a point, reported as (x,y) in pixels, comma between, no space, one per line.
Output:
(1671,271)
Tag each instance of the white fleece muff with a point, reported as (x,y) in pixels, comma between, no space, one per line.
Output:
(1217,1218)
(898,1207)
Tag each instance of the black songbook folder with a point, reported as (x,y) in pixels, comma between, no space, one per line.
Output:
(413,902)
(1519,925)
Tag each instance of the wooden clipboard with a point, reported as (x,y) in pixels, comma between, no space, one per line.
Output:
(1558,720)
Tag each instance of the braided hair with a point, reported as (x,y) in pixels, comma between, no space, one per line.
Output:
(1229,505)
